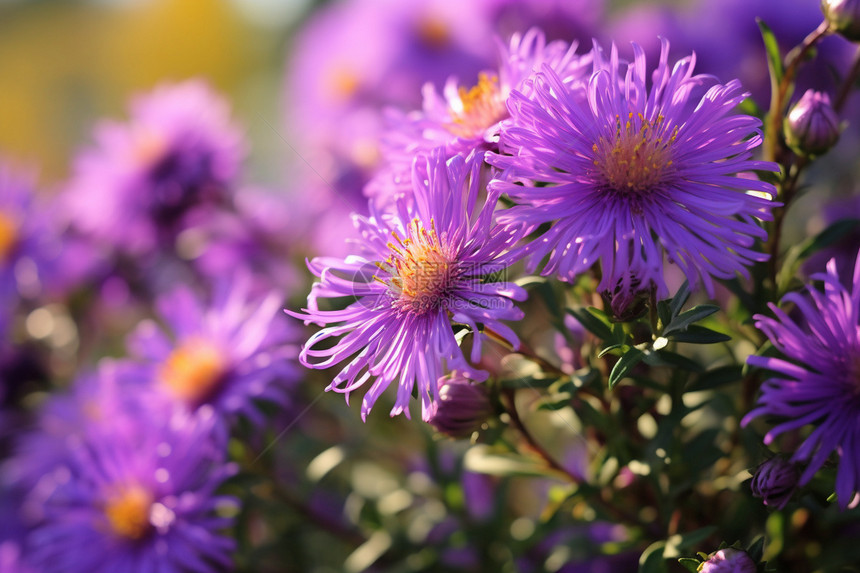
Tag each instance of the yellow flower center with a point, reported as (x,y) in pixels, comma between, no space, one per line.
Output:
(478,109)
(127,512)
(149,146)
(8,235)
(638,156)
(434,32)
(342,83)
(422,270)
(193,371)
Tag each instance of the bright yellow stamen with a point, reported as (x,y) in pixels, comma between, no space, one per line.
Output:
(127,512)
(8,235)
(639,155)
(422,270)
(193,371)
(479,108)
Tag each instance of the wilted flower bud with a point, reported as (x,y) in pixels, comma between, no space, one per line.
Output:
(775,481)
(812,127)
(462,407)
(728,561)
(843,17)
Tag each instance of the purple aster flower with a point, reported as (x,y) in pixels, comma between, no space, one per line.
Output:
(422,268)
(729,561)
(139,495)
(179,151)
(226,355)
(27,242)
(560,19)
(461,119)
(635,175)
(354,57)
(817,381)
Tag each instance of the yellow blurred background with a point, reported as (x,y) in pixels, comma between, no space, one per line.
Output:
(65,64)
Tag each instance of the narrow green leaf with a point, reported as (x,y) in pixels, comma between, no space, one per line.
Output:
(685,319)
(624,365)
(672,360)
(663,312)
(680,299)
(696,334)
(651,560)
(592,324)
(612,348)
(774,58)
(829,236)
(716,378)
(750,107)
(528,382)
(756,549)
(691,565)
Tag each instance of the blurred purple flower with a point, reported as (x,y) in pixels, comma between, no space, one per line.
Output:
(461,120)
(744,56)
(355,57)
(578,20)
(419,269)
(816,382)
(226,355)
(138,495)
(28,243)
(179,151)
(728,561)
(634,175)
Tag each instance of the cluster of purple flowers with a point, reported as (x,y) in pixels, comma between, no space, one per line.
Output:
(602,169)
(131,457)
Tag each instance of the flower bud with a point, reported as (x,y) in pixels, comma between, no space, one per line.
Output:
(812,126)
(728,561)
(843,17)
(775,482)
(461,408)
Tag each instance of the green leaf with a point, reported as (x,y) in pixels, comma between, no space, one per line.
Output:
(679,300)
(672,360)
(528,382)
(774,58)
(691,565)
(696,334)
(612,348)
(799,253)
(685,319)
(651,560)
(555,402)
(482,458)
(756,549)
(717,377)
(624,365)
(663,312)
(750,107)
(592,323)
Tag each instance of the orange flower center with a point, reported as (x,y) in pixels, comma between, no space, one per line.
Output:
(8,236)
(127,512)
(638,156)
(193,371)
(478,109)
(149,146)
(422,270)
